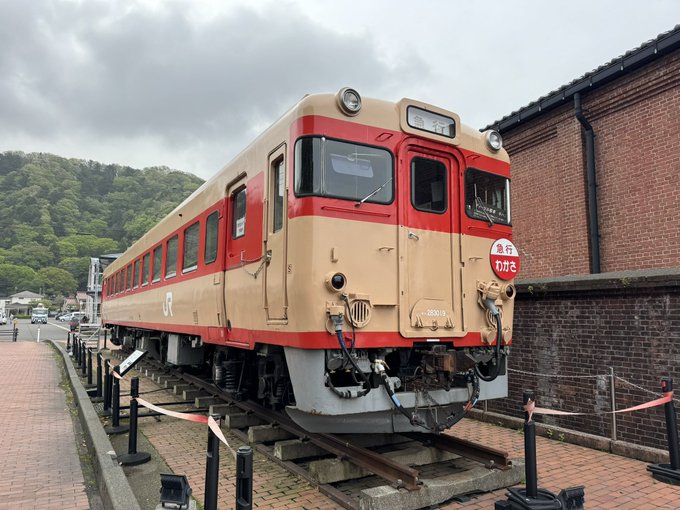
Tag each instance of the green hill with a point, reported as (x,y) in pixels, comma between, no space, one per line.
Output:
(56,213)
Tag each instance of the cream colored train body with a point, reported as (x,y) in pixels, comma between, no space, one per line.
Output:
(352,265)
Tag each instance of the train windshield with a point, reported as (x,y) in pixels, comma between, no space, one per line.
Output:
(487,196)
(330,168)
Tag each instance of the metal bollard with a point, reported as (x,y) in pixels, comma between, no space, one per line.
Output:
(530,471)
(669,473)
(106,331)
(89,367)
(133,457)
(212,468)
(68,341)
(15,334)
(116,427)
(107,388)
(83,361)
(244,478)
(99,374)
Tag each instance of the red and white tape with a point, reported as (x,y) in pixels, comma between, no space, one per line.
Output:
(531,408)
(197,418)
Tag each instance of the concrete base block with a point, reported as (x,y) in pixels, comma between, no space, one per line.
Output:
(434,492)
(298,449)
(205,401)
(192,394)
(336,470)
(264,433)
(240,421)
(224,409)
(171,383)
(178,389)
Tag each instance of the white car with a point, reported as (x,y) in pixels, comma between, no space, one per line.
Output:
(3,319)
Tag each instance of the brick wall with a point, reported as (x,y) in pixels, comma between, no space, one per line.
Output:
(570,329)
(636,121)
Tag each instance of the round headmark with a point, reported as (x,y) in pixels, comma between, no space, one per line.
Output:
(504,259)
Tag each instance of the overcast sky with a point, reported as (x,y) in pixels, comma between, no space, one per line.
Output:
(189,83)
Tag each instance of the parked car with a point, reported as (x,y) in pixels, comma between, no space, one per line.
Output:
(3,318)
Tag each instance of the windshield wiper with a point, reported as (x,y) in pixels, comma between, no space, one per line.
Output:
(479,204)
(373,192)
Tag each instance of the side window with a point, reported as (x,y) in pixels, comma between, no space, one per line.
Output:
(279,189)
(211,238)
(487,196)
(157,260)
(428,185)
(171,257)
(135,274)
(190,260)
(238,227)
(146,268)
(128,285)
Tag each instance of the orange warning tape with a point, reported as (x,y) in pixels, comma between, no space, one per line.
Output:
(197,418)
(531,408)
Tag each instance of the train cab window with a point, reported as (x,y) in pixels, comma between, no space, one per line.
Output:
(487,196)
(157,260)
(330,168)
(135,274)
(211,238)
(146,267)
(190,259)
(238,226)
(279,184)
(428,185)
(171,257)
(128,285)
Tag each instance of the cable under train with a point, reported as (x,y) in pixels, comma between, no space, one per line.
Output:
(353,266)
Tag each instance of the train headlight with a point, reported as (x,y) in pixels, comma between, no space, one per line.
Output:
(494,140)
(349,101)
(336,282)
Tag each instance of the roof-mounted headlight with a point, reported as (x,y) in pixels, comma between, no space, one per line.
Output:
(349,101)
(494,140)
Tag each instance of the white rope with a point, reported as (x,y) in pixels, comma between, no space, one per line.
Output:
(557,376)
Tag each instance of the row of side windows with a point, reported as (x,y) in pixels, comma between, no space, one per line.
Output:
(150,265)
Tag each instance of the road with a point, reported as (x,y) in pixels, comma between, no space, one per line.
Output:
(53,330)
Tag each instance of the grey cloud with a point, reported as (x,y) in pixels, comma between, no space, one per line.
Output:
(107,71)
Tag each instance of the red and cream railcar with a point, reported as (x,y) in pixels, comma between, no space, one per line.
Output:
(353,265)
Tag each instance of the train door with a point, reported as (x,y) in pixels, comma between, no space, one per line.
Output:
(429,273)
(276,223)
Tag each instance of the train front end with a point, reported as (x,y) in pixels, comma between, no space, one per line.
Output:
(401,221)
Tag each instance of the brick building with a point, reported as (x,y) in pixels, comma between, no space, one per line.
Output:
(594,171)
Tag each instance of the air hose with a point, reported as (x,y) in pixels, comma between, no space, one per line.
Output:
(495,370)
(348,356)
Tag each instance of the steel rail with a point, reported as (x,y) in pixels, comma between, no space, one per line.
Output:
(490,457)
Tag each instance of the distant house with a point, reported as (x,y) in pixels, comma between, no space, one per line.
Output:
(20,303)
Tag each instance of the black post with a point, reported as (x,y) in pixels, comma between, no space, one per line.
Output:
(99,375)
(669,473)
(107,387)
(15,334)
(83,360)
(133,458)
(76,351)
(89,367)
(244,478)
(530,470)
(116,427)
(68,341)
(105,333)
(212,468)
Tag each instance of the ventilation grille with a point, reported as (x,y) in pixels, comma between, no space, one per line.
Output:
(359,313)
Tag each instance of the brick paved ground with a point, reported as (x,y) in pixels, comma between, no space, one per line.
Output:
(611,482)
(39,463)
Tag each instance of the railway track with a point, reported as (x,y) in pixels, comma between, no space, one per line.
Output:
(375,456)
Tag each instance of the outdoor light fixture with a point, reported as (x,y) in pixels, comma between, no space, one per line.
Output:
(349,101)
(494,140)
(175,491)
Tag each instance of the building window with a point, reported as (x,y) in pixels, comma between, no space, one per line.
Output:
(238,227)
(211,237)
(171,257)
(428,185)
(190,260)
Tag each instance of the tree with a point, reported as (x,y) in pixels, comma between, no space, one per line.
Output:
(15,278)
(56,281)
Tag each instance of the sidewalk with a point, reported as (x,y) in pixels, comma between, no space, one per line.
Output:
(40,462)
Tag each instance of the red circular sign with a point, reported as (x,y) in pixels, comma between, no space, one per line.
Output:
(504,259)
